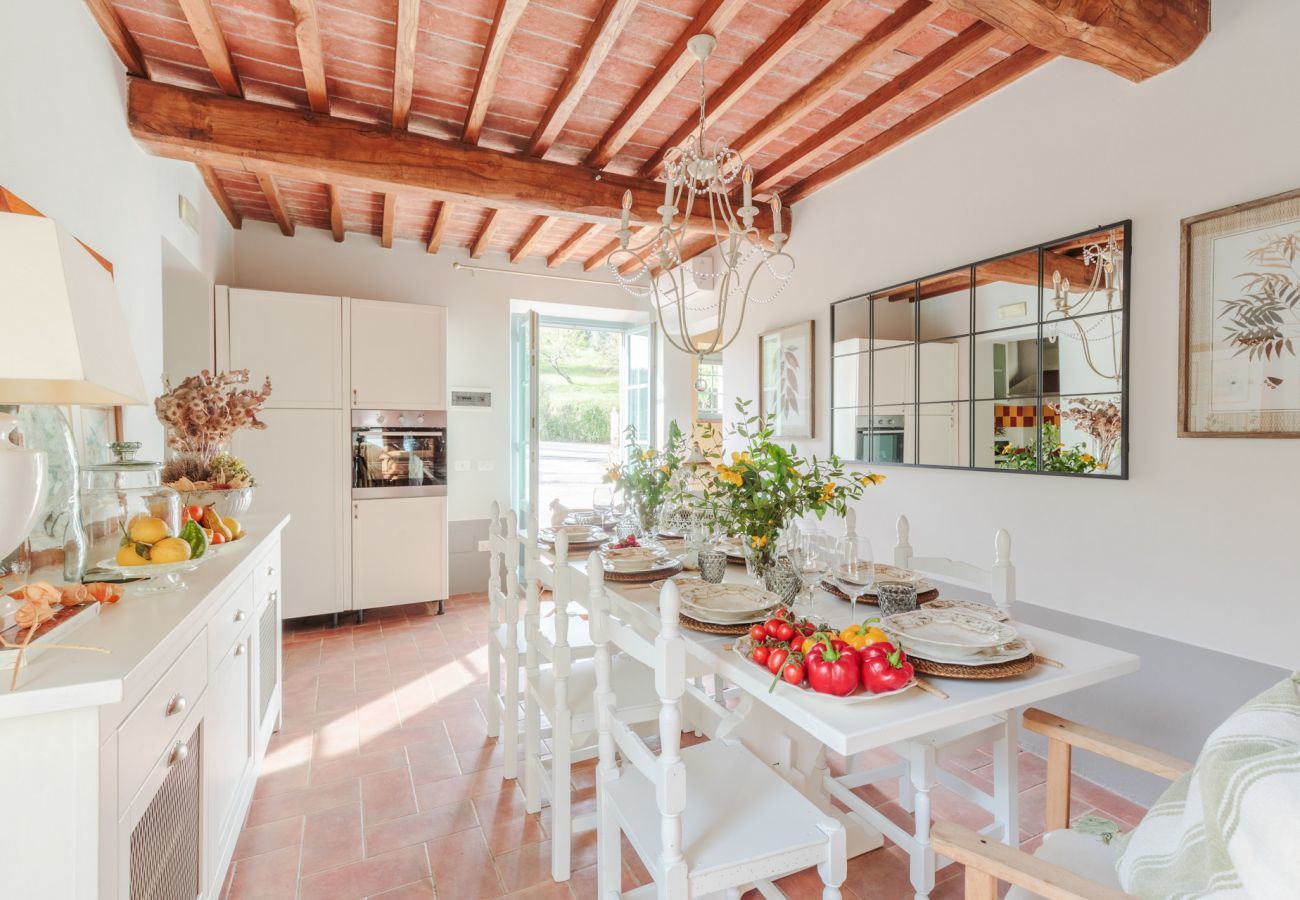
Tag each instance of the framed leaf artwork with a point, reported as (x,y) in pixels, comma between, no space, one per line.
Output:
(1239,327)
(786,380)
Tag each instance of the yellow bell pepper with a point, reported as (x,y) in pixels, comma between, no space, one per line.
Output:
(859,636)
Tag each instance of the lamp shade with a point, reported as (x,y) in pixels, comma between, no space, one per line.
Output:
(62,335)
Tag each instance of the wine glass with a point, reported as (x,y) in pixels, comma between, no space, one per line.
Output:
(854,570)
(816,560)
(602,502)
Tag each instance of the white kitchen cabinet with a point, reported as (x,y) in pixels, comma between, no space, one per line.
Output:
(398,355)
(298,461)
(399,551)
(230,741)
(296,339)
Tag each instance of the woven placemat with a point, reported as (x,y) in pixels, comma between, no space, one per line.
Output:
(871,598)
(709,628)
(643,577)
(574,546)
(974,673)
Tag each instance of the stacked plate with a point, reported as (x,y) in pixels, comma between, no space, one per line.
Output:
(579,535)
(725,604)
(636,559)
(957,637)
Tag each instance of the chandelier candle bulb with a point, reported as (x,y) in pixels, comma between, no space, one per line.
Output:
(747,180)
(627,208)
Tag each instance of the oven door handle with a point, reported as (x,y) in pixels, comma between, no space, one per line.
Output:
(379,432)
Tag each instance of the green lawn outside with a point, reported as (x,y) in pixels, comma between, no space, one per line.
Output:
(578,381)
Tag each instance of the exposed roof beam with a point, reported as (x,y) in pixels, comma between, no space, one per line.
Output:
(604,31)
(242,136)
(118,37)
(1019,269)
(983,84)
(910,18)
(1133,38)
(494,53)
(597,259)
(713,17)
(276,202)
(306,30)
(336,214)
(570,245)
(386,228)
(220,196)
(920,77)
(446,210)
(212,44)
(408,30)
(530,238)
(485,232)
(800,25)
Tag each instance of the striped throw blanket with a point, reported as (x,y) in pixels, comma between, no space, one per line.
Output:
(1231,827)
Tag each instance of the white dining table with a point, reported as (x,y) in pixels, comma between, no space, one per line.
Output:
(824,724)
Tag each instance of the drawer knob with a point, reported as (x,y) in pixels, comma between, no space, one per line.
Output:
(270,571)
(179,753)
(239,649)
(275,596)
(176,705)
(240,615)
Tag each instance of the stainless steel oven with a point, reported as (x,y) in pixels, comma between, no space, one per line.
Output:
(398,453)
(880,439)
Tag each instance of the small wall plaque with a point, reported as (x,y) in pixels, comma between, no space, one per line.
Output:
(468,398)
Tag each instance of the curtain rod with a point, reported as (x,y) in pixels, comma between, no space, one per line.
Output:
(472,269)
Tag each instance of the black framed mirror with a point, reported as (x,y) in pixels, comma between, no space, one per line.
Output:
(1017,363)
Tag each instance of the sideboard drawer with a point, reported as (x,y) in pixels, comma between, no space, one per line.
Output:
(266,576)
(149,728)
(230,619)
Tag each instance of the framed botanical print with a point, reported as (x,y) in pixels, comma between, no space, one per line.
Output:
(1239,327)
(786,373)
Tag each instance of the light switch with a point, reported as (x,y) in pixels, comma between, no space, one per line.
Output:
(462,465)
(486,465)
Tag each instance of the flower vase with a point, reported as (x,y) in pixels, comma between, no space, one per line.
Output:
(647,523)
(760,556)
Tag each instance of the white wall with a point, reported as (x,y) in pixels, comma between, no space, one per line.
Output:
(478,325)
(65,149)
(1200,544)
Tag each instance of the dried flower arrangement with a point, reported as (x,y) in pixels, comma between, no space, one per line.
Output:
(1100,420)
(201,414)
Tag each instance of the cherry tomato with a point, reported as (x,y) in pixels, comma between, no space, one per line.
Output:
(760,654)
(793,672)
(217,538)
(772,624)
(776,659)
(784,632)
(807,629)
(757,633)
(781,613)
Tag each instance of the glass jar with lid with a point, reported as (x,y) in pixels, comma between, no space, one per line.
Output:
(124,497)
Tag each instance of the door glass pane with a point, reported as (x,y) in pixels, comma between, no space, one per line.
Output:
(943,434)
(1084,276)
(1006,365)
(1006,291)
(522,375)
(638,373)
(945,304)
(945,370)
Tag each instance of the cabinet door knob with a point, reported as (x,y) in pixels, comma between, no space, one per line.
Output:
(180,752)
(239,649)
(240,615)
(275,596)
(176,704)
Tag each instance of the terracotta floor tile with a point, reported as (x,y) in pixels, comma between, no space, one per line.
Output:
(420,827)
(463,867)
(270,876)
(462,787)
(387,795)
(547,890)
(331,838)
(367,877)
(259,839)
(432,761)
(303,801)
(344,767)
(505,822)
(416,890)
(880,874)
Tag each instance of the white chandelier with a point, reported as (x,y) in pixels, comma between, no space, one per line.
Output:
(657,269)
(1105,283)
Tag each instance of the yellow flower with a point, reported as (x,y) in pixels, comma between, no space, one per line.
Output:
(870,478)
(613,474)
(758,541)
(647,454)
(1087,458)
(828,492)
(663,469)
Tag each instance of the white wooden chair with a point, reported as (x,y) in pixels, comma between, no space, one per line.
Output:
(1067,865)
(560,687)
(711,818)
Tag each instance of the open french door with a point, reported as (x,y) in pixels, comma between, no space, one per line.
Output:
(637,380)
(525,452)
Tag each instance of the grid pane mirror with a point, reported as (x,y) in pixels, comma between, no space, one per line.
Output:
(1017,363)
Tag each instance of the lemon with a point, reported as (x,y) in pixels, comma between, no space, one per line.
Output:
(147,529)
(236,530)
(126,556)
(169,550)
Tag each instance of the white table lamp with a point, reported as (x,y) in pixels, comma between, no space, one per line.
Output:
(63,340)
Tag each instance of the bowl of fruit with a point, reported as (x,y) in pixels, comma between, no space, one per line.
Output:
(222,482)
(219,530)
(150,550)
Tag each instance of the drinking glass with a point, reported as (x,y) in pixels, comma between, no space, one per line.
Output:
(854,570)
(815,560)
(602,502)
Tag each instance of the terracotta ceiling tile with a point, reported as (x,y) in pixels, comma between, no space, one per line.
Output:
(1010,44)
(861,16)
(684,9)
(925,41)
(954,22)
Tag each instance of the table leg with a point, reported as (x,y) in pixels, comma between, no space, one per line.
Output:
(922,763)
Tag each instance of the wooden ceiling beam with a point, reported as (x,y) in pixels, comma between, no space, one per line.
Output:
(602,34)
(494,54)
(530,238)
(1132,38)
(713,17)
(408,31)
(220,196)
(242,136)
(601,256)
(485,232)
(909,19)
(118,37)
(920,77)
(336,214)
(800,25)
(276,202)
(390,214)
(212,44)
(306,31)
(1019,269)
(987,82)
(571,244)
(446,210)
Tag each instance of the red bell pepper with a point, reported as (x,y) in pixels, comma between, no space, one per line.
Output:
(833,666)
(885,668)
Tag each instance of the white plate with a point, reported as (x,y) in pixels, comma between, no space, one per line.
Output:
(633,559)
(743,644)
(974,607)
(726,599)
(662,563)
(578,534)
(1016,649)
(951,633)
(152,570)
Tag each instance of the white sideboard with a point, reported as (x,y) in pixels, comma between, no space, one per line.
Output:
(128,774)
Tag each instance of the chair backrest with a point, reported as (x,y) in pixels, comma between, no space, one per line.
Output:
(998,580)
(666,770)
(503,559)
